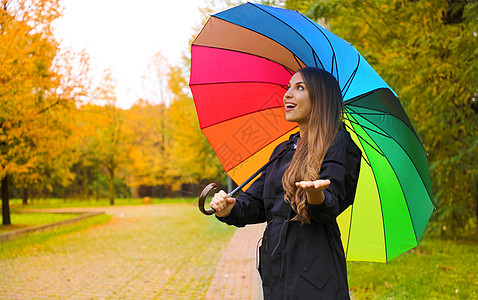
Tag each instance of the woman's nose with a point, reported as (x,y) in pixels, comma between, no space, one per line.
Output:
(287,94)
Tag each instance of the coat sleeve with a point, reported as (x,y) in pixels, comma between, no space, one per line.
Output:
(249,207)
(341,166)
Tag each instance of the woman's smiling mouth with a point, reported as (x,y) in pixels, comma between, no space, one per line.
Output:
(290,106)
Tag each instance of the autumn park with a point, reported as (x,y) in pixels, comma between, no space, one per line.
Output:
(99,201)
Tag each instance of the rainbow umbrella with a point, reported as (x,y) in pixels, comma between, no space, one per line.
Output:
(241,63)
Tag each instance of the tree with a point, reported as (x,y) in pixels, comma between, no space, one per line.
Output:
(149,148)
(193,157)
(155,80)
(103,133)
(32,106)
(425,50)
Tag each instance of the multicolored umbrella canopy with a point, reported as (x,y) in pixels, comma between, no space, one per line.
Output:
(242,61)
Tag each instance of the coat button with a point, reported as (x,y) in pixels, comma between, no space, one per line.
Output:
(306,269)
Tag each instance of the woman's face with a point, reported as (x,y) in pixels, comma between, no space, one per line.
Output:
(297,102)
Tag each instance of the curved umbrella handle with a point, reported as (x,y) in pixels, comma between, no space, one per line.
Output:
(212,186)
(202,199)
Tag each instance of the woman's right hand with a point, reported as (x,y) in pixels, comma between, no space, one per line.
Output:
(222,204)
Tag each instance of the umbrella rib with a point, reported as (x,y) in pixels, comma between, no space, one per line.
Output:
(379,113)
(351,101)
(287,69)
(350,229)
(363,126)
(305,40)
(240,116)
(265,146)
(363,156)
(351,78)
(297,60)
(358,135)
(334,58)
(300,66)
(348,105)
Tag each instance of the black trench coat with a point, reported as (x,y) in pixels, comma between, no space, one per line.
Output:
(302,261)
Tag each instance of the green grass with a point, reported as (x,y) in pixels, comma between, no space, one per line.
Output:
(23,220)
(39,241)
(16,204)
(438,269)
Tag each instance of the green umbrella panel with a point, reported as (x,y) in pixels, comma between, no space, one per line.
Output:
(394,188)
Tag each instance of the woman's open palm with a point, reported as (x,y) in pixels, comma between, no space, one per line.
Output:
(313,186)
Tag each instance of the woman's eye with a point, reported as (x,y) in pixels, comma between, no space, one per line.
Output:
(300,87)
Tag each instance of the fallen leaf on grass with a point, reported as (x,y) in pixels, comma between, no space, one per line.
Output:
(445,268)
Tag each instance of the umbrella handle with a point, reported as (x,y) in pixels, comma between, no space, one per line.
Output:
(202,199)
(212,186)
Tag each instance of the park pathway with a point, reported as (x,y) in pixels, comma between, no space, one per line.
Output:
(236,277)
(118,261)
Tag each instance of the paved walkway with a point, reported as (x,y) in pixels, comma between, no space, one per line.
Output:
(120,261)
(236,277)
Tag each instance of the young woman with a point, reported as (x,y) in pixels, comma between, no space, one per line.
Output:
(301,194)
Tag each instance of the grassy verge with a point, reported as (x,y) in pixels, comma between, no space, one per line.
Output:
(437,269)
(22,220)
(37,241)
(16,204)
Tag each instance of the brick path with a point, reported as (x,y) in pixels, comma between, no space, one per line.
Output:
(120,261)
(236,277)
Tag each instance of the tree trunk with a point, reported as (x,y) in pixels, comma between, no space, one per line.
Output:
(134,190)
(111,173)
(85,184)
(97,186)
(25,196)
(5,202)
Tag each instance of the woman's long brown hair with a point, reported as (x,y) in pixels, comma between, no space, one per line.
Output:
(324,122)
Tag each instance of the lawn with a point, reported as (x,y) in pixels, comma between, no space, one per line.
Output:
(438,269)
(36,241)
(16,204)
(23,220)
